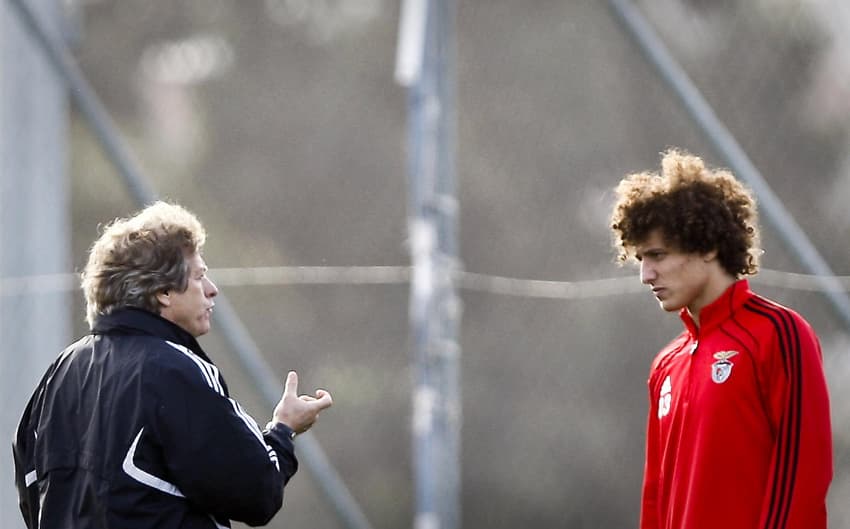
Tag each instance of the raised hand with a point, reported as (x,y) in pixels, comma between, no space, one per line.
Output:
(300,412)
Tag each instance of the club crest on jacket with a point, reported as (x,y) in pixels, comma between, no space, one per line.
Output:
(722,368)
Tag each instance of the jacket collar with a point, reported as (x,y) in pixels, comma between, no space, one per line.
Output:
(719,310)
(136,321)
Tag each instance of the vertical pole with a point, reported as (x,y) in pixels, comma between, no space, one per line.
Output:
(426,66)
(34,235)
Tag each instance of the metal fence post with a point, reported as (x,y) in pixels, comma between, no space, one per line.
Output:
(34,235)
(425,65)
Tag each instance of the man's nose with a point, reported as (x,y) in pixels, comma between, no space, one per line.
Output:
(212,290)
(647,273)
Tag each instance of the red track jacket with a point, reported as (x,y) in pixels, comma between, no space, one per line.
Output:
(738,434)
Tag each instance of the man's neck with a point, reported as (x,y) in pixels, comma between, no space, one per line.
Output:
(713,290)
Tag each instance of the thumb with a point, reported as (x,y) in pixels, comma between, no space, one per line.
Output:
(292,383)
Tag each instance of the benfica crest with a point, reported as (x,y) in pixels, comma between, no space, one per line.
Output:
(722,368)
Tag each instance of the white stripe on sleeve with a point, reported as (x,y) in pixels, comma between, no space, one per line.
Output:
(146,478)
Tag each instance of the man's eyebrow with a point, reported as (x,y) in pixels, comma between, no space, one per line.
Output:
(645,251)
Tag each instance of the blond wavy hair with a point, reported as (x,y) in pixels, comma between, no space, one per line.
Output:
(697,209)
(137,257)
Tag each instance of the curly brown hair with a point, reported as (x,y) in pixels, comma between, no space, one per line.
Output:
(137,257)
(697,209)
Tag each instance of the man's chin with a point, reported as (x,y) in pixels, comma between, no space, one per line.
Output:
(203,325)
(669,307)
(202,329)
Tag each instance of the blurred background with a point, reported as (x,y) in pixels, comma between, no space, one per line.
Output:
(280,124)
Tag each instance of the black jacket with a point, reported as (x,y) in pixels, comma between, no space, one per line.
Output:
(132,427)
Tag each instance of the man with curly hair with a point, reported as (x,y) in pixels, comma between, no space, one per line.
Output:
(133,425)
(738,434)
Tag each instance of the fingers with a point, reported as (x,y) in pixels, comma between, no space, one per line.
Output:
(324,399)
(321,401)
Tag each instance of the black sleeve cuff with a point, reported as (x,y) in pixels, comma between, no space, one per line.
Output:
(281,428)
(280,436)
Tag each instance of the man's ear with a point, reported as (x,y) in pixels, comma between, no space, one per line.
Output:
(709,256)
(164,298)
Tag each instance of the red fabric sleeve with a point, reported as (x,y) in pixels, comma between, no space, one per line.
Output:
(649,500)
(798,409)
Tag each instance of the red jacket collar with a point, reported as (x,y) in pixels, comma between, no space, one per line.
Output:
(719,310)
